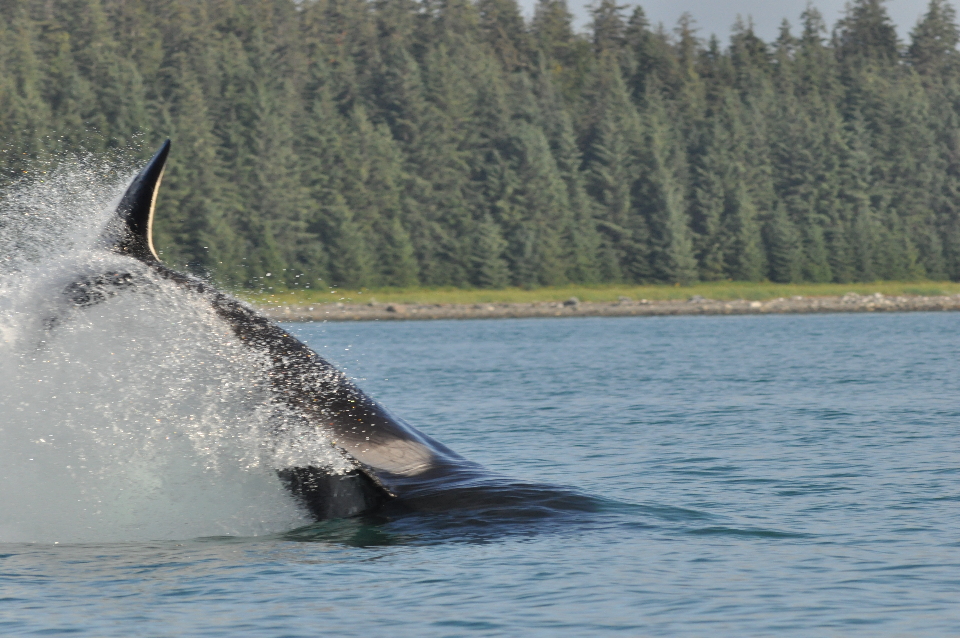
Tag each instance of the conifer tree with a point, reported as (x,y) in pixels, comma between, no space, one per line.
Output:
(565,56)
(707,202)
(505,31)
(783,248)
(608,27)
(933,46)
(545,208)
(24,114)
(579,237)
(660,193)
(489,268)
(865,35)
(611,162)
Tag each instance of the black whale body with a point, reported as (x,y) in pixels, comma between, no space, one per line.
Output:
(396,468)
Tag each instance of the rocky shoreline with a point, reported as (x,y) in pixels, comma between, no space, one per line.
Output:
(625,307)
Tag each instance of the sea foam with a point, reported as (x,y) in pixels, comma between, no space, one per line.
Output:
(138,418)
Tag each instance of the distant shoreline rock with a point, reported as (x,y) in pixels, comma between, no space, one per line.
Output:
(850,302)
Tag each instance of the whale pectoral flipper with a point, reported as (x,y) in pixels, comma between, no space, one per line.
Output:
(328,495)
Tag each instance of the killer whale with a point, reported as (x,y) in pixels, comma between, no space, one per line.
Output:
(393,465)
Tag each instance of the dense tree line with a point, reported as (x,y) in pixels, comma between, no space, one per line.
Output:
(451,142)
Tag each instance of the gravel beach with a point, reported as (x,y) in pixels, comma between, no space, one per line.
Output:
(850,302)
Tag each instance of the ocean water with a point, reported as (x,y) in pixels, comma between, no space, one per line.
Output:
(741,476)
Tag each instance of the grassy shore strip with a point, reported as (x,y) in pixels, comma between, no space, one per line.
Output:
(721,291)
(850,302)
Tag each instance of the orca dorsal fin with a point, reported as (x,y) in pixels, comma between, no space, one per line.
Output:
(136,210)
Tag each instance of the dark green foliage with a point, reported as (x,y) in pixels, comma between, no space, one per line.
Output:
(935,39)
(405,142)
(783,248)
(866,34)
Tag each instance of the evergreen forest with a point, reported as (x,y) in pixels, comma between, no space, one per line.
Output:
(455,143)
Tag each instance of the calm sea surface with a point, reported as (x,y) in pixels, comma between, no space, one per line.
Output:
(748,476)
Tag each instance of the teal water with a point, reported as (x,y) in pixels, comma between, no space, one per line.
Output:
(743,476)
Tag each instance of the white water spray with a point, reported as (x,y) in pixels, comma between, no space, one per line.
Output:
(141,417)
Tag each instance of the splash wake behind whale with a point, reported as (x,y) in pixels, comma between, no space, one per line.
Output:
(141,419)
(139,403)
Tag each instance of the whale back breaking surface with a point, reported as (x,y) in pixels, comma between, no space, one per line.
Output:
(390,458)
